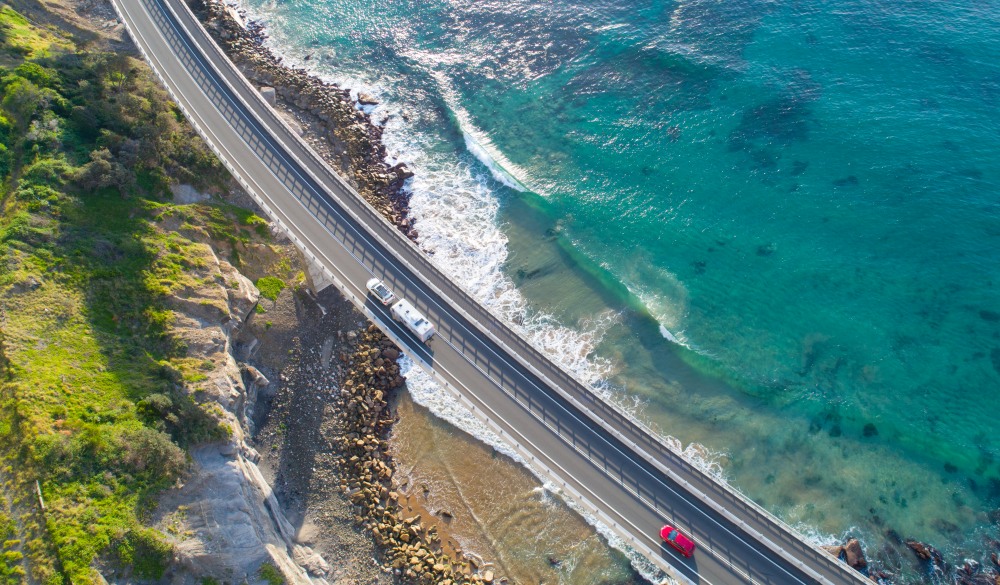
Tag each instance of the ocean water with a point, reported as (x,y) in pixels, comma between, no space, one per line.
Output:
(771,229)
(498,510)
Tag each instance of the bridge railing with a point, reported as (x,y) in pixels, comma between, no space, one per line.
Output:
(498,329)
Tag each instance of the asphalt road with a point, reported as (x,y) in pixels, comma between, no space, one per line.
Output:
(613,467)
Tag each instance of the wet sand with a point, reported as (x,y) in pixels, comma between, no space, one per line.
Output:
(493,507)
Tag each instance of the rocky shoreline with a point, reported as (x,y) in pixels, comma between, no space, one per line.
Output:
(325,384)
(412,549)
(409,548)
(329,120)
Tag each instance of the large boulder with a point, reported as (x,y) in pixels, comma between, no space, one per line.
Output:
(258,379)
(185,194)
(269,95)
(927,553)
(855,555)
(922,551)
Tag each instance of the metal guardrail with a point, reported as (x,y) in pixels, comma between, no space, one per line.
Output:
(500,332)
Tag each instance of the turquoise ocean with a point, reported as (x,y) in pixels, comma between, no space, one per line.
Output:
(770,229)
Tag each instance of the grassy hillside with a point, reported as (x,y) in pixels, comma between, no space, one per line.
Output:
(92,404)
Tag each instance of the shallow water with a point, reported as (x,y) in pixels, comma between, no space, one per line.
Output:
(771,227)
(498,510)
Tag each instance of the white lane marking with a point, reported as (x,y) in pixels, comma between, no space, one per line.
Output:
(650,435)
(279,151)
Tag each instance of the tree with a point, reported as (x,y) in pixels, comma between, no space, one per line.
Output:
(97,173)
(6,160)
(119,72)
(22,99)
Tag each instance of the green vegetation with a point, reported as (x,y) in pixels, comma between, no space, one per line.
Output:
(271,574)
(11,571)
(92,379)
(270,287)
(22,39)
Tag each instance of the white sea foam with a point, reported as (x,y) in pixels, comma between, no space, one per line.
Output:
(426,392)
(668,335)
(817,538)
(706,459)
(669,314)
(479,143)
(483,155)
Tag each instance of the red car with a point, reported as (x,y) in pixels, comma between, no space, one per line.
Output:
(674,538)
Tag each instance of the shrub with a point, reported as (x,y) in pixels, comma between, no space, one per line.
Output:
(150,453)
(270,287)
(21,98)
(49,171)
(40,76)
(271,574)
(144,551)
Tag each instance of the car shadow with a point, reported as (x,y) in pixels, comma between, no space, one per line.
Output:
(687,565)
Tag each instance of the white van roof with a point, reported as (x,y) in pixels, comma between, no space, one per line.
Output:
(417,323)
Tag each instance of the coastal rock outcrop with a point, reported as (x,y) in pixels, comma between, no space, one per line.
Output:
(855,555)
(923,551)
(412,549)
(223,517)
(345,136)
(850,552)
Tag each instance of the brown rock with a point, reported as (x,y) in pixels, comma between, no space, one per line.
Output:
(855,554)
(401,171)
(924,552)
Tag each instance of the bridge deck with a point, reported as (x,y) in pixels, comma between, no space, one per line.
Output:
(609,464)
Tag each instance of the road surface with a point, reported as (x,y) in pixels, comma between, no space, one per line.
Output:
(614,468)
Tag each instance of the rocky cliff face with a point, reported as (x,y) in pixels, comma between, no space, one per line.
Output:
(223,518)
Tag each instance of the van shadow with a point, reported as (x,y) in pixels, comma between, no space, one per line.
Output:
(412,346)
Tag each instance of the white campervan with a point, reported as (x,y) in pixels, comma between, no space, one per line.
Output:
(414,320)
(402,310)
